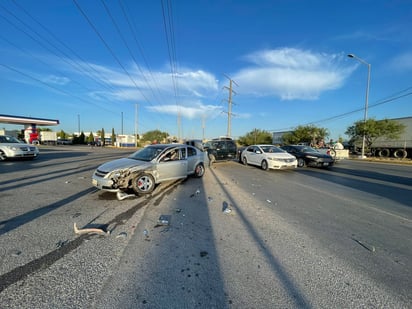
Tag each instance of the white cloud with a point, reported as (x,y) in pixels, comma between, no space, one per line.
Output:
(57,80)
(290,74)
(196,110)
(402,62)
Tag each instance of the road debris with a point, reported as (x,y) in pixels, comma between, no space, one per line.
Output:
(123,195)
(90,231)
(15,252)
(146,235)
(227,209)
(366,246)
(77,214)
(61,243)
(122,235)
(163,220)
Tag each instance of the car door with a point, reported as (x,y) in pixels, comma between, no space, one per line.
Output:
(259,155)
(193,158)
(251,155)
(173,165)
(248,154)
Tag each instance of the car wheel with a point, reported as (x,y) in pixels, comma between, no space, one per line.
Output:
(301,162)
(2,156)
(244,160)
(199,170)
(265,165)
(143,184)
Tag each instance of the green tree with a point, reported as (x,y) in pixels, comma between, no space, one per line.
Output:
(372,129)
(306,134)
(256,136)
(155,136)
(90,138)
(79,139)
(62,135)
(102,137)
(113,137)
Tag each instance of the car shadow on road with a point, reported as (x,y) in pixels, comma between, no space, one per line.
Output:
(390,187)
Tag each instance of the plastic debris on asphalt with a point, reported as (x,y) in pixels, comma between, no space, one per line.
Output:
(90,231)
(226,208)
(123,195)
(164,220)
(61,243)
(122,235)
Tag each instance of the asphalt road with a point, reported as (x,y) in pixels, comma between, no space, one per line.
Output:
(307,238)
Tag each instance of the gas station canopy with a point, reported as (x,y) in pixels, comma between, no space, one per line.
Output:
(28,120)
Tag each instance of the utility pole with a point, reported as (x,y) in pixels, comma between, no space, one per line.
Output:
(136,124)
(229,112)
(122,123)
(203,128)
(179,125)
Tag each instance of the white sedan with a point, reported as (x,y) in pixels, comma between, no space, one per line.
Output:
(12,148)
(268,157)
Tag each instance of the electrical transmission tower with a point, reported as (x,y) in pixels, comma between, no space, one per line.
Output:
(229,111)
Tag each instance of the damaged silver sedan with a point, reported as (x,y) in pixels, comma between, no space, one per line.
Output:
(149,166)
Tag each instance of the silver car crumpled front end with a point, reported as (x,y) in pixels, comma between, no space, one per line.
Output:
(112,181)
(117,175)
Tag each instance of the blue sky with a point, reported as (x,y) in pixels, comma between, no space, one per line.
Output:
(143,65)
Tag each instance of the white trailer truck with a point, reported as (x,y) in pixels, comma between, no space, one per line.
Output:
(48,137)
(399,148)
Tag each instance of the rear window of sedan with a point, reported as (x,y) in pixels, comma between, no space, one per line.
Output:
(271,149)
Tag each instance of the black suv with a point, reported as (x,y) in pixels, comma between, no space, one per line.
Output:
(220,149)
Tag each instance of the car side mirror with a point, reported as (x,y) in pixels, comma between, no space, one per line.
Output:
(258,152)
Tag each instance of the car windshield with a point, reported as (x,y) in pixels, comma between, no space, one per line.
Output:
(308,149)
(271,149)
(8,139)
(148,153)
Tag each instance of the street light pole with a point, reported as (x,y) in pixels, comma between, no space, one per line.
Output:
(365,115)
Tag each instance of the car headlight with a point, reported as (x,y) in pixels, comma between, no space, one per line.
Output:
(115,174)
(311,157)
(14,148)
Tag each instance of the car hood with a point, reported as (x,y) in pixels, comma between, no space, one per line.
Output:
(122,164)
(17,145)
(280,155)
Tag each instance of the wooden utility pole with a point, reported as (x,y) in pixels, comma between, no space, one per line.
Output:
(136,124)
(229,111)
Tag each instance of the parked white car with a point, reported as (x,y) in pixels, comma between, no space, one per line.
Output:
(268,157)
(12,148)
(151,165)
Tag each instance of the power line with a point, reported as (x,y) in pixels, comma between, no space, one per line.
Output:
(171,47)
(384,101)
(75,64)
(108,47)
